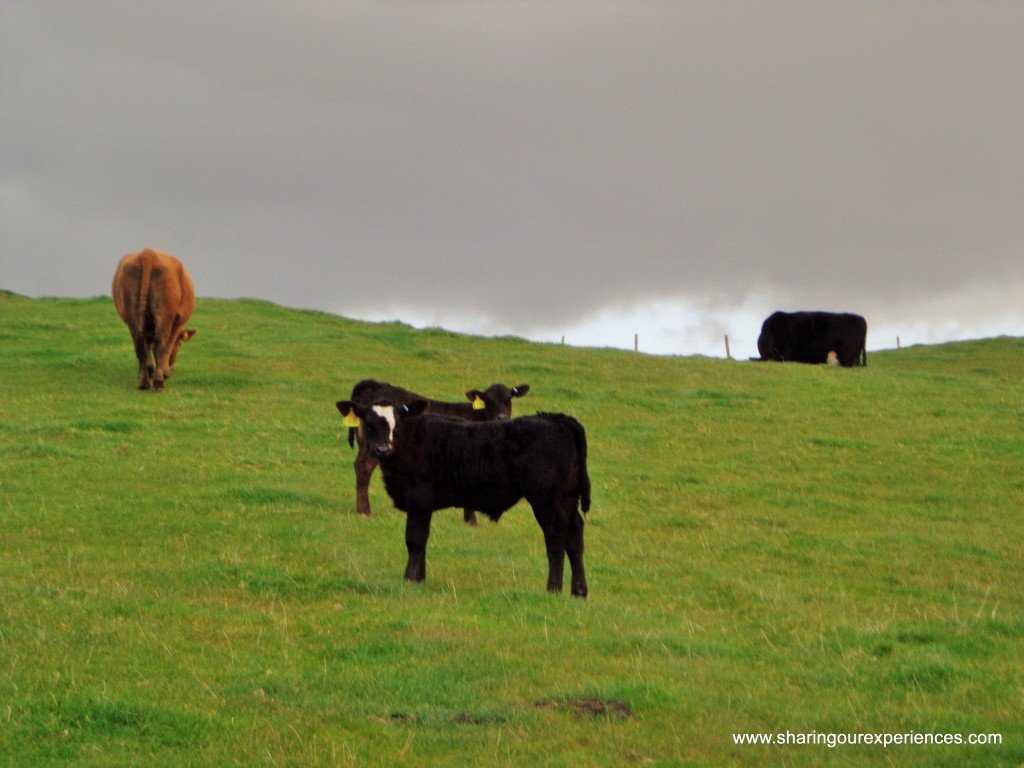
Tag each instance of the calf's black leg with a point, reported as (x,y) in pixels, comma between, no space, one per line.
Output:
(554,542)
(417,531)
(364,465)
(574,548)
(469,517)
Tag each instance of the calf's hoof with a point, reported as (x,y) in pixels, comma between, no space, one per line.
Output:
(416,572)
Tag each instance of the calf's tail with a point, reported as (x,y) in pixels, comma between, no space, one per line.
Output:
(584,477)
(579,437)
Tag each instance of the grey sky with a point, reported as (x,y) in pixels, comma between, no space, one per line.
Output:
(528,167)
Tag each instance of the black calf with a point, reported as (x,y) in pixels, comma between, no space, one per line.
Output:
(495,402)
(432,463)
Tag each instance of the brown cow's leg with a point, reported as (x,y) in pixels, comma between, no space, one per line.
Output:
(574,548)
(417,531)
(142,353)
(161,356)
(158,372)
(469,516)
(364,465)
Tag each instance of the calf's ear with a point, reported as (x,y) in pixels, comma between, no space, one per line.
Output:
(188,333)
(415,408)
(348,410)
(521,390)
(473,394)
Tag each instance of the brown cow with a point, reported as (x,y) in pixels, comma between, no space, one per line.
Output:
(154,296)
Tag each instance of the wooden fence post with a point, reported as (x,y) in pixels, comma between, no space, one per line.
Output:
(636,342)
(728,354)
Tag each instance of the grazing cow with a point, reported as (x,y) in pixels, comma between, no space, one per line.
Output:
(430,463)
(814,337)
(154,295)
(493,403)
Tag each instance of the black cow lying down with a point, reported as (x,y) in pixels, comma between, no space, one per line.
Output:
(431,463)
(495,402)
(814,337)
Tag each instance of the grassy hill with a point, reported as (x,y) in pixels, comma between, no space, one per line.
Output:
(771,548)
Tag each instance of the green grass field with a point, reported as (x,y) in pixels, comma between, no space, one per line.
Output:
(771,547)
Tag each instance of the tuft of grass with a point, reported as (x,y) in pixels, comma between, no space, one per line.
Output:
(771,547)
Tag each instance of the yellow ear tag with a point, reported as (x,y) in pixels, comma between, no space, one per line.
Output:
(478,404)
(350,420)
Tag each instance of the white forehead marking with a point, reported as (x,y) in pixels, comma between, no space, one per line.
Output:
(387,413)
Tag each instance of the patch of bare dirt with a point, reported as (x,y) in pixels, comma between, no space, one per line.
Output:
(591,706)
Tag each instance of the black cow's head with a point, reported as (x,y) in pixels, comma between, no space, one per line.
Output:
(378,423)
(496,400)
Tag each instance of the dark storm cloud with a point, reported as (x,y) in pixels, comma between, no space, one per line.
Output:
(531,163)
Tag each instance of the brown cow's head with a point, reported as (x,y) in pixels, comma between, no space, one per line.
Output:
(183,335)
(378,423)
(165,361)
(496,400)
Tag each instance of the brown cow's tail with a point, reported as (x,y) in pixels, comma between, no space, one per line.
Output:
(145,275)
